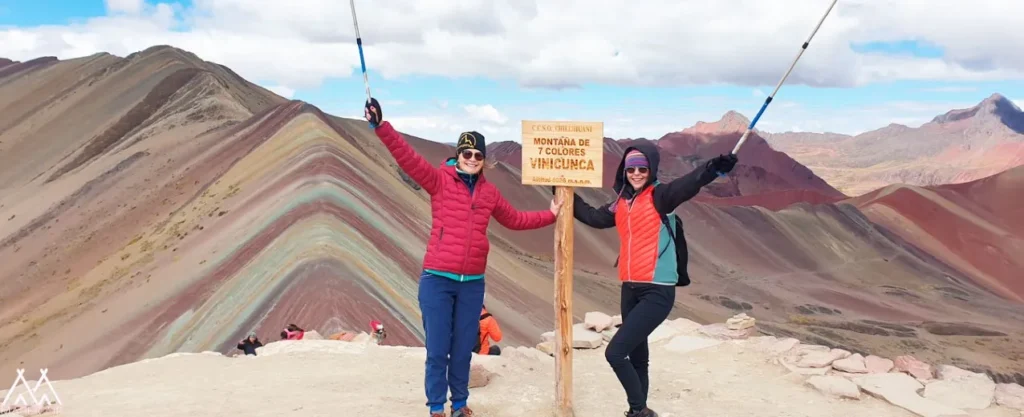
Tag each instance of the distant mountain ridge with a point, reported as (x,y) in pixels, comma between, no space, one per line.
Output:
(958,146)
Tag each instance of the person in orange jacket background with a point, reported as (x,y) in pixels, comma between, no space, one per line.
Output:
(489,329)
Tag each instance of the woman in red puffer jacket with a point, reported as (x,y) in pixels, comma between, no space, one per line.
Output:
(451,288)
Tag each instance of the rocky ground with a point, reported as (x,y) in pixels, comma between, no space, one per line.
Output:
(716,370)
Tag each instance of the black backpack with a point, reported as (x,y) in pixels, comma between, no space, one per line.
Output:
(476,348)
(682,255)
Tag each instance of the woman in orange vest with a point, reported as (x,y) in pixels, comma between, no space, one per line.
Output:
(647,256)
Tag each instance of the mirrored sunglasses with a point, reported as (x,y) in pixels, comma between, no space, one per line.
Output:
(468,154)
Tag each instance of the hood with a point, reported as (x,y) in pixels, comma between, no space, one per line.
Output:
(650,150)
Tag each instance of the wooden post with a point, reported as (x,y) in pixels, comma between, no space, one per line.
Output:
(563,304)
(563,155)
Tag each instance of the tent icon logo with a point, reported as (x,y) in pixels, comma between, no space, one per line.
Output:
(36,399)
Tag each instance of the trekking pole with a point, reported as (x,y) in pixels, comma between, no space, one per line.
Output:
(359,43)
(791,66)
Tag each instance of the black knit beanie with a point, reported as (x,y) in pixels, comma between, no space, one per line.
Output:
(471,140)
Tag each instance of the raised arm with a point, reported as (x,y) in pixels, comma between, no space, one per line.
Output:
(670,196)
(414,165)
(598,218)
(514,219)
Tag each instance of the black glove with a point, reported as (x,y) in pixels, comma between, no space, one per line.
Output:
(724,163)
(374,114)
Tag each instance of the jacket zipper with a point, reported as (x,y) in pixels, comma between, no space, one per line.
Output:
(629,240)
(472,207)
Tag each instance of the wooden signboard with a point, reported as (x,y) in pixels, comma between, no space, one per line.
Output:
(564,155)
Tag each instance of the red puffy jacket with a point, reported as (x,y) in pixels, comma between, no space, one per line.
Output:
(458,234)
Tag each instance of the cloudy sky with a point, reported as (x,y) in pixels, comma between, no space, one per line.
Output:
(443,66)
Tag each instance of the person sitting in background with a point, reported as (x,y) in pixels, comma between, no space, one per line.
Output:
(378,331)
(488,330)
(292,332)
(249,344)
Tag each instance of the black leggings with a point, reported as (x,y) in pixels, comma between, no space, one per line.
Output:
(644,307)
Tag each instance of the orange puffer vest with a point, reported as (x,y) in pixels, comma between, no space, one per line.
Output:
(642,237)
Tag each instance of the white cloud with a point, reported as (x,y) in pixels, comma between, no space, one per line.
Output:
(125,6)
(486,113)
(556,43)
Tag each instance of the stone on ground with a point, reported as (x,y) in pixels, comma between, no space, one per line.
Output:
(782,346)
(852,364)
(914,367)
(547,347)
(583,338)
(961,389)
(739,322)
(484,368)
(803,371)
(597,321)
(721,331)
(821,359)
(617,320)
(804,349)
(479,375)
(835,385)
(878,364)
(607,334)
(312,335)
(1010,396)
(901,390)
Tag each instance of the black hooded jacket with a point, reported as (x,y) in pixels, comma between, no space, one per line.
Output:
(249,347)
(666,197)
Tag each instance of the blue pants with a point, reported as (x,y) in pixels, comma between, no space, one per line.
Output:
(451,319)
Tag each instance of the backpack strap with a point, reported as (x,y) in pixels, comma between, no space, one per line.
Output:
(484,316)
(668,226)
(671,232)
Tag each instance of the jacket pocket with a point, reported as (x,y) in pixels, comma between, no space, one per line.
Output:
(441,235)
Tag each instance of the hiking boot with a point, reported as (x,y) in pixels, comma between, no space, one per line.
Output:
(646,412)
(462,412)
(437,414)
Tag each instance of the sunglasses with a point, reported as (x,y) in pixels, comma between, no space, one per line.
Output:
(468,154)
(642,170)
